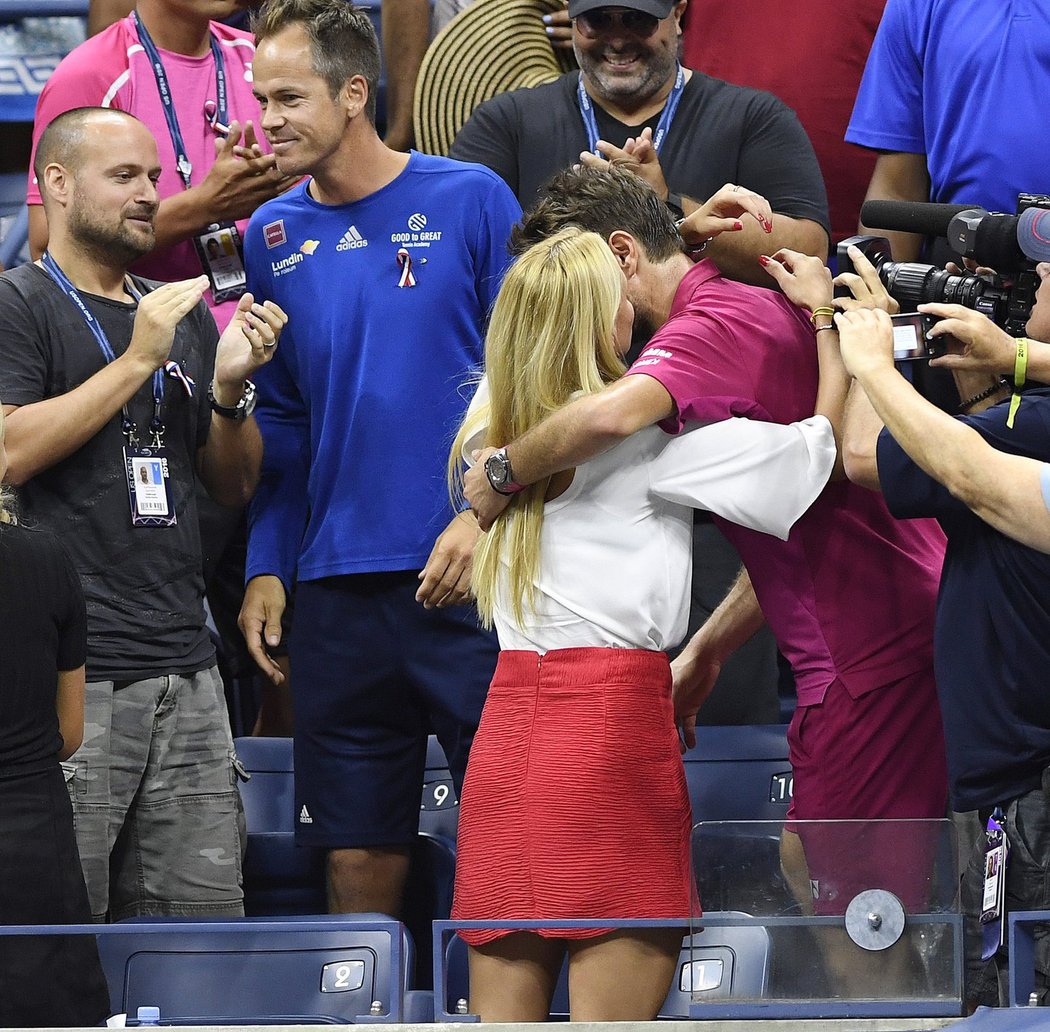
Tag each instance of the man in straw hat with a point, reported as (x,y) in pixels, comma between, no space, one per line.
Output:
(686,133)
(389,262)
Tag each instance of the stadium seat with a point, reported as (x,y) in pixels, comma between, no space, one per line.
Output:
(739,773)
(717,963)
(337,969)
(439,807)
(280,878)
(14,220)
(283,879)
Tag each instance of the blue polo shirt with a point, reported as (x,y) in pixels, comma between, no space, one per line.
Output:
(387,301)
(964,82)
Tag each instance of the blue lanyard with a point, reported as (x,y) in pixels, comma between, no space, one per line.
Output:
(127,426)
(182,159)
(662,127)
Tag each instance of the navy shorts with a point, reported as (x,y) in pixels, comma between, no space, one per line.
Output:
(374,673)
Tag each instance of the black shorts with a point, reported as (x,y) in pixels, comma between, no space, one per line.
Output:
(374,673)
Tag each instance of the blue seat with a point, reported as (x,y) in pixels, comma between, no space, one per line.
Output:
(739,773)
(283,879)
(439,805)
(716,963)
(280,878)
(333,969)
(14,220)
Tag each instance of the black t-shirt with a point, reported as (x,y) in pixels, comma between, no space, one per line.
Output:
(992,638)
(143,585)
(720,134)
(42,631)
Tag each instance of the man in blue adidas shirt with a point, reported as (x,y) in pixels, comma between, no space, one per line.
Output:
(387,264)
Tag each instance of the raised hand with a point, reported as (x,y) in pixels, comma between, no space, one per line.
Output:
(159,313)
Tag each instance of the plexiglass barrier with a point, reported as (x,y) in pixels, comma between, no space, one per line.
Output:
(825,919)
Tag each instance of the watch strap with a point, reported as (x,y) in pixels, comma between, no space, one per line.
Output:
(242,410)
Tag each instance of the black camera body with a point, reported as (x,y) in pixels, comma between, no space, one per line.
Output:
(989,238)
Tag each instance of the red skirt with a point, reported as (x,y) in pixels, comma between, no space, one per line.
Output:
(575,802)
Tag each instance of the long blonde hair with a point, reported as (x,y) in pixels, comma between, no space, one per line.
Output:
(551,336)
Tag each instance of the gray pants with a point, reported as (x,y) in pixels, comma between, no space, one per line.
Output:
(1027,888)
(158,817)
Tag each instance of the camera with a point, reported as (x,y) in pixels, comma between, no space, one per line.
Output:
(989,238)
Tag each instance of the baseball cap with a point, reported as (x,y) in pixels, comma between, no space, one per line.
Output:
(1033,233)
(657,8)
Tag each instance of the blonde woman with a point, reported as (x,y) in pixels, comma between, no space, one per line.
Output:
(575,801)
(56,980)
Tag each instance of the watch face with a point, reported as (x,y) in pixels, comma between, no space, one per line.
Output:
(249,400)
(496,469)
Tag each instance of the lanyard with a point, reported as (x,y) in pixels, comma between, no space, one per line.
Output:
(128,426)
(662,127)
(222,115)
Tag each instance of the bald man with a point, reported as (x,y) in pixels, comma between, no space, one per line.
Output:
(101,373)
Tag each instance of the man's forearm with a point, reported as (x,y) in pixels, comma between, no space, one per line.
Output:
(43,433)
(184,215)
(1002,489)
(406,32)
(899,176)
(736,619)
(230,461)
(587,427)
(736,254)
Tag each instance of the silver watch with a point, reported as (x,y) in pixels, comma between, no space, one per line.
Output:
(242,410)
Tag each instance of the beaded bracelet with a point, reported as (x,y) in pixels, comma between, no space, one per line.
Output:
(999,385)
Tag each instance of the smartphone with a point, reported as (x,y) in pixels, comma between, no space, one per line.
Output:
(909,337)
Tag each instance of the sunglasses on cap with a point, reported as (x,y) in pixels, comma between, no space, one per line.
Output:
(602,19)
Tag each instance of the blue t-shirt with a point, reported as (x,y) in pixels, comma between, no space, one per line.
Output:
(992,636)
(964,82)
(387,299)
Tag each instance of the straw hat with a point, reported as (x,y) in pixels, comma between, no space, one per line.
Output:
(490,47)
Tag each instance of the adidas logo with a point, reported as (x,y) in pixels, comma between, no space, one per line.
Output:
(351,240)
(304,816)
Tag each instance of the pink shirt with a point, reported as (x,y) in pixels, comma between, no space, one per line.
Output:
(851,593)
(112,70)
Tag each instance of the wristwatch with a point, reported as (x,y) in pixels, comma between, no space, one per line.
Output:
(242,410)
(497,469)
(674,202)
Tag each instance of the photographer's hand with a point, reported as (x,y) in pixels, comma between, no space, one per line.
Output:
(865,286)
(985,347)
(866,341)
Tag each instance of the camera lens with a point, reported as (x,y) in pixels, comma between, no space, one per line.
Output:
(912,283)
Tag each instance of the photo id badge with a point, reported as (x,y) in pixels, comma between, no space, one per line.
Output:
(993,903)
(148,487)
(222,257)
